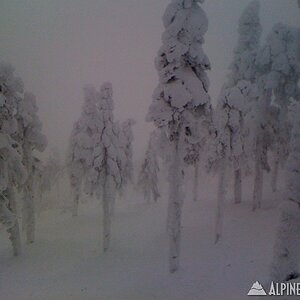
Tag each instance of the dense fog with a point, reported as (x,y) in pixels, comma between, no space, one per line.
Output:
(149,149)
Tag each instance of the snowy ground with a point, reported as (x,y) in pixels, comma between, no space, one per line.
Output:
(66,261)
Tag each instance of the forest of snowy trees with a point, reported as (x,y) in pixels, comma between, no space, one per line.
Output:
(250,134)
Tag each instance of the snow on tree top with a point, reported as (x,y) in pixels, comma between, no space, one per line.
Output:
(249,27)
(8,81)
(243,66)
(281,48)
(181,64)
(90,95)
(107,93)
(27,108)
(278,64)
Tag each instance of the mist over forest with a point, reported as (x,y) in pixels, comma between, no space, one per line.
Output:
(149,149)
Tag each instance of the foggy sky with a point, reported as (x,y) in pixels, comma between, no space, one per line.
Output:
(58,46)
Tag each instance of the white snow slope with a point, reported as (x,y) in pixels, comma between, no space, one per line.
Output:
(66,261)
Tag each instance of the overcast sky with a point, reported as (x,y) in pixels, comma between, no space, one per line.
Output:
(58,46)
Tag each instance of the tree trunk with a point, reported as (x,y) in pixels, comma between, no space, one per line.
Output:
(237,186)
(258,185)
(76,196)
(29,214)
(28,211)
(112,207)
(275,176)
(175,207)
(285,263)
(28,200)
(38,204)
(14,232)
(221,200)
(58,197)
(108,195)
(196,181)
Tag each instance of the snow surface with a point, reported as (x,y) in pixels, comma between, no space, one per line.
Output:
(66,261)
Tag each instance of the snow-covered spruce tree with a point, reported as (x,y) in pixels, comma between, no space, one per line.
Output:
(234,115)
(48,177)
(180,98)
(197,146)
(249,30)
(38,169)
(280,72)
(242,69)
(82,141)
(51,169)
(233,109)
(13,174)
(285,265)
(235,136)
(148,176)
(122,162)
(162,145)
(280,127)
(30,138)
(127,134)
(105,175)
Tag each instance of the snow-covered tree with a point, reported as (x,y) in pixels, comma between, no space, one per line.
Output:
(280,127)
(249,30)
(234,114)
(235,98)
(232,130)
(279,74)
(47,179)
(148,176)
(181,99)
(277,79)
(127,140)
(31,138)
(162,145)
(197,146)
(13,173)
(243,68)
(51,169)
(81,146)
(234,121)
(105,174)
(38,170)
(285,265)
